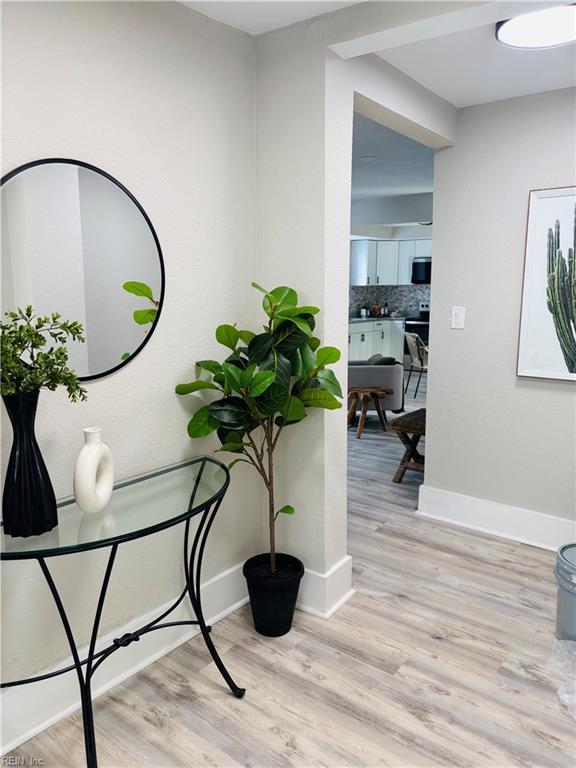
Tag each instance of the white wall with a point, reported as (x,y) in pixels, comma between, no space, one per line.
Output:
(491,435)
(306,98)
(391,209)
(162,98)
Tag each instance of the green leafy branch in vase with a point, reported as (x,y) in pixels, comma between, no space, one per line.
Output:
(561,293)
(266,384)
(34,355)
(142,316)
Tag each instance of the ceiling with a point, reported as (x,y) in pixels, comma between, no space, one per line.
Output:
(472,67)
(401,167)
(266,15)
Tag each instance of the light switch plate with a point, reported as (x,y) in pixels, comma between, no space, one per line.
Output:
(458,317)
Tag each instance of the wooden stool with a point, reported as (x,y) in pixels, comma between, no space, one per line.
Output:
(363,395)
(410,428)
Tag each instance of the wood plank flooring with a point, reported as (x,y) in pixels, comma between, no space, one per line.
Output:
(438,660)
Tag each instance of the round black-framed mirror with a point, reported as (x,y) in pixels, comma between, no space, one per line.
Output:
(76,241)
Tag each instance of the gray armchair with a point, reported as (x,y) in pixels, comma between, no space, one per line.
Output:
(364,375)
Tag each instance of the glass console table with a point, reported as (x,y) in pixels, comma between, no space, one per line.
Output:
(139,507)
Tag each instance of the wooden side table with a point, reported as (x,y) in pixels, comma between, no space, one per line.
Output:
(363,395)
(410,428)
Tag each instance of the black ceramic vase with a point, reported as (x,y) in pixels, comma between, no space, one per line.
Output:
(29,503)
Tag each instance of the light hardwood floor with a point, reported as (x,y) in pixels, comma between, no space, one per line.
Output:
(439,659)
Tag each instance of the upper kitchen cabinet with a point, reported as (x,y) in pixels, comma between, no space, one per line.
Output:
(363,260)
(423,249)
(387,262)
(374,262)
(406,250)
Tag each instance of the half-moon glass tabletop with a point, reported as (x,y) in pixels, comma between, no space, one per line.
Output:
(139,506)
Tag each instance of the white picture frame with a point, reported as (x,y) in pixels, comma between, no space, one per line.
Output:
(540,352)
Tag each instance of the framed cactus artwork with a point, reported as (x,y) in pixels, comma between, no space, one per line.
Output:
(547,344)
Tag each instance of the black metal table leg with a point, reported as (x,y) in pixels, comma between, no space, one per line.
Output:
(193,569)
(84,678)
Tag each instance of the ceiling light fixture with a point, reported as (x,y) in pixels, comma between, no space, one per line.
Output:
(549,28)
(368,158)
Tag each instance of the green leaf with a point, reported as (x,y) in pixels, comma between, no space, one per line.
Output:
(209,365)
(273,400)
(318,398)
(328,381)
(228,336)
(293,410)
(286,510)
(202,423)
(194,386)
(248,374)
(238,461)
(308,359)
(327,356)
(280,366)
(259,288)
(231,412)
(246,336)
(259,347)
(261,382)
(229,437)
(313,343)
(233,376)
(287,337)
(278,299)
(300,323)
(230,447)
(144,316)
(294,311)
(139,289)
(297,364)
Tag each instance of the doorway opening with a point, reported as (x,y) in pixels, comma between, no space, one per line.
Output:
(389,314)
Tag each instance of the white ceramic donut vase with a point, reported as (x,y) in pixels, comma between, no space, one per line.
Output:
(94,473)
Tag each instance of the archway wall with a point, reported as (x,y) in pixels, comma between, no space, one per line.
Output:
(306,96)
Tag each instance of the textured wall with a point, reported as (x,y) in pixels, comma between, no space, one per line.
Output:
(161,97)
(491,434)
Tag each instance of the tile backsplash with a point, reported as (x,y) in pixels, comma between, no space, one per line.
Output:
(404,299)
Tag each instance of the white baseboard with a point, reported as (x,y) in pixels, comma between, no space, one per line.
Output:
(524,525)
(29,709)
(321,594)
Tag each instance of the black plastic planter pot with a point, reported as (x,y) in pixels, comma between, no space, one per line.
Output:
(273,597)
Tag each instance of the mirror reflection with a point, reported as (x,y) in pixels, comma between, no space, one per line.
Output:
(76,242)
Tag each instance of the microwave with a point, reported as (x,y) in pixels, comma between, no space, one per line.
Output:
(421,271)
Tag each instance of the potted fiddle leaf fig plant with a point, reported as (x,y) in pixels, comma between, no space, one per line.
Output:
(266,385)
(34,357)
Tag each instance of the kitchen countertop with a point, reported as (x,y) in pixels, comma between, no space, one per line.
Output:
(369,319)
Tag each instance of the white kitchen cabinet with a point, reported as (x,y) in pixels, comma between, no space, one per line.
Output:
(376,337)
(387,262)
(363,262)
(360,345)
(406,250)
(409,250)
(423,249)
(395,330)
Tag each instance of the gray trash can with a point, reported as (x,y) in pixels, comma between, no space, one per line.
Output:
(565,573)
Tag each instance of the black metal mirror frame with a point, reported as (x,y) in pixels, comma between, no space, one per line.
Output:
(82,164)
